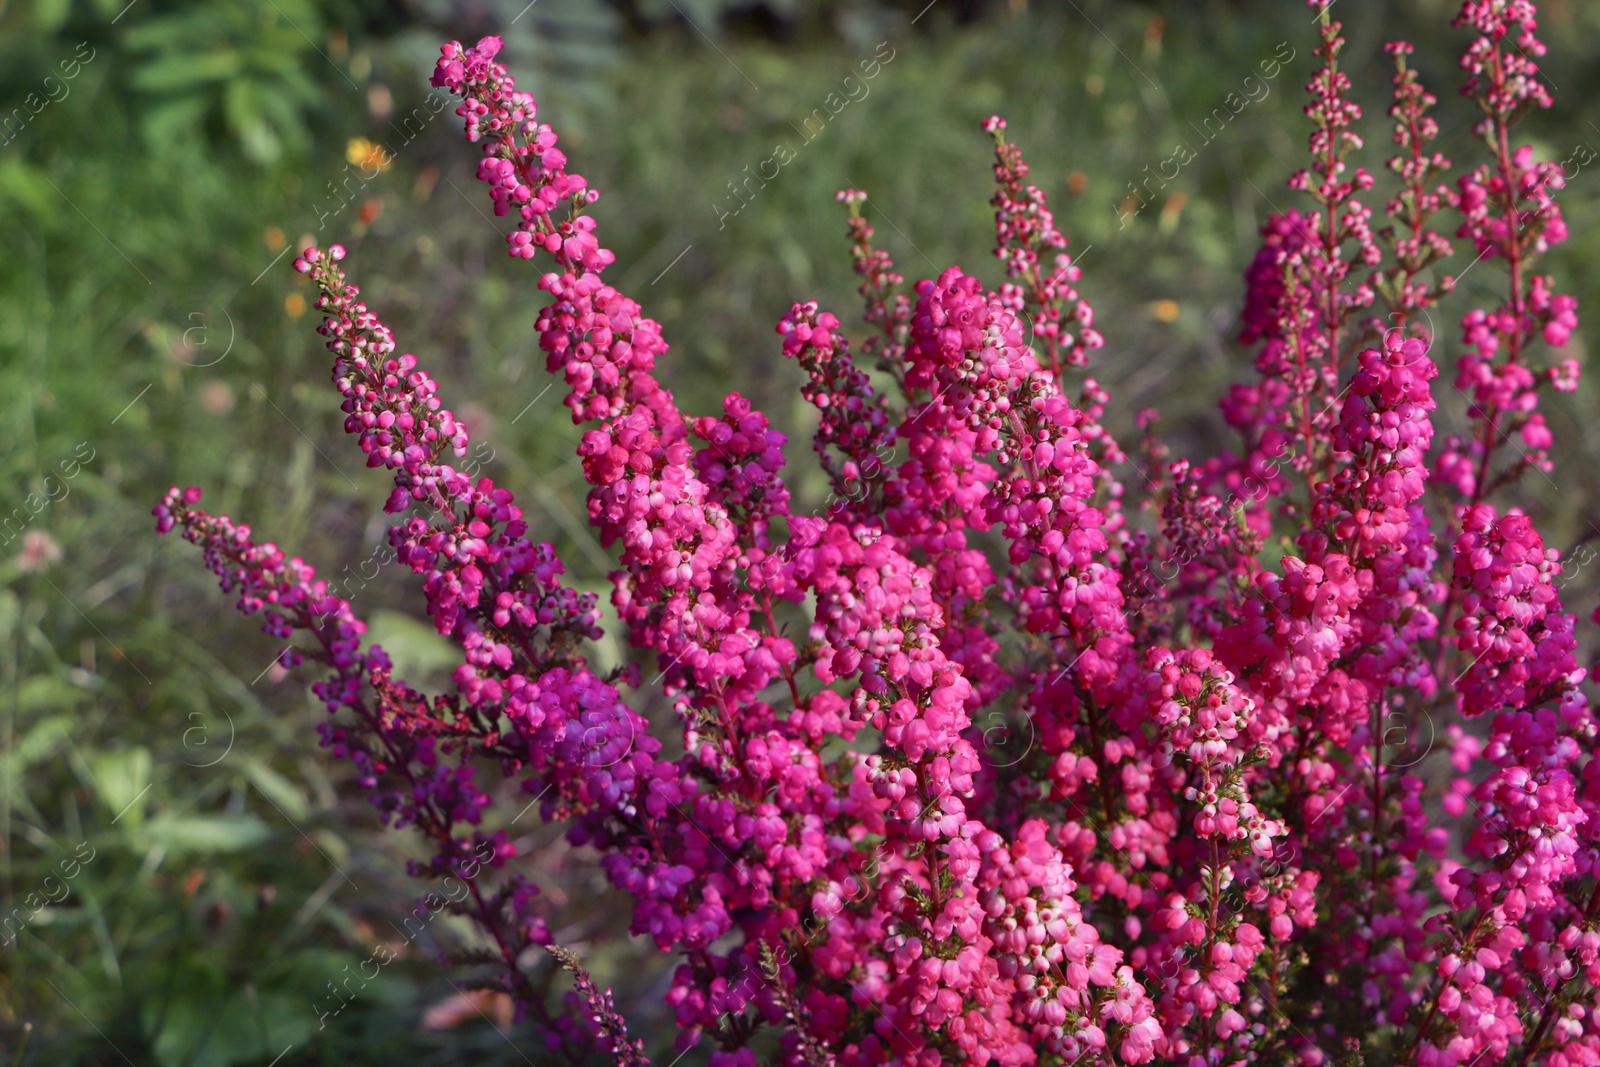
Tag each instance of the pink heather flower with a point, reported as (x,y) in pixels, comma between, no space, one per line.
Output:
(995,755)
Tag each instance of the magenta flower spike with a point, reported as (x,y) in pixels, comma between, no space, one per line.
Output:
(998,755)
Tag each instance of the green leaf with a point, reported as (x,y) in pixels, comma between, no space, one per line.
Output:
(259,141)
(205,1031)
(39,741)
(206,833)
(284,1018)
(50,15)
(415,647)
(276,788)
(26,187)
(122,779)
(240,103)
(186,70)
(44,691)
(183,1023)
(165,34)
(168,122)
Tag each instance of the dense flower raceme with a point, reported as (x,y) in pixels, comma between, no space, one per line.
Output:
(972,763)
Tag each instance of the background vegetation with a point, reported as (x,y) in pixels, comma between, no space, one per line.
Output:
(151,333)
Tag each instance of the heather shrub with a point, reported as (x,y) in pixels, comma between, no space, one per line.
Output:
(1022,746)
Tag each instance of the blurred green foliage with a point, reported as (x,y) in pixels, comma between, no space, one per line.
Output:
(149,200)
(249,77)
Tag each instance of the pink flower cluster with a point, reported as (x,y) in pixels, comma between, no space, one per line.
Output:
(975,763)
